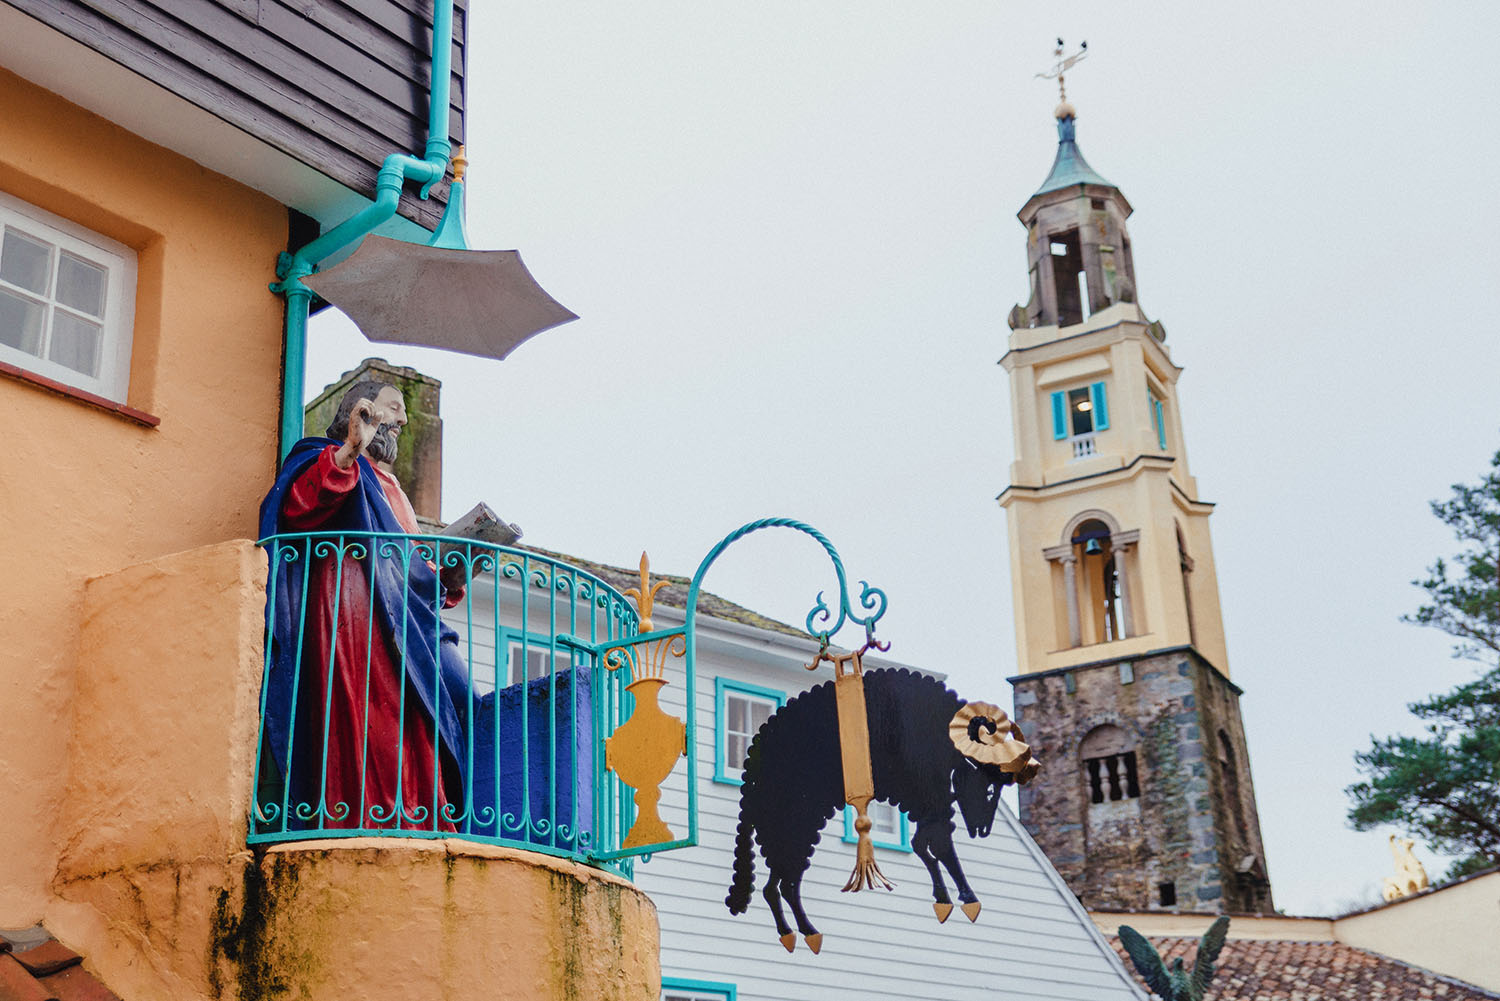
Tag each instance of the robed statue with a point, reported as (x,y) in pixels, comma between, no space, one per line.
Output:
(367,696)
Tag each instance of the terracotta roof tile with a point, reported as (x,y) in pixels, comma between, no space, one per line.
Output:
(34,966)
(48,958)
(1253,970)
(77,984)
(18,985)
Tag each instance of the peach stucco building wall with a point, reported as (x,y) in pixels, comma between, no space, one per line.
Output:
(87,492)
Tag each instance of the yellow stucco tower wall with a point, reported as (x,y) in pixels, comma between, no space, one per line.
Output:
(87,491)
(1135,480)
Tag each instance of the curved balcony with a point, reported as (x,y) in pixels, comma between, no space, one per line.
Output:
(423,686)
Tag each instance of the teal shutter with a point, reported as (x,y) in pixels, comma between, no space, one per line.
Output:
(1101,407)
(1161,424)
(1059,416)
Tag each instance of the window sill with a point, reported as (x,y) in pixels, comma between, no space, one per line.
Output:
(53,386)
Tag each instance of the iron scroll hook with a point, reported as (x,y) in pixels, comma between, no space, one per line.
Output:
(872,600)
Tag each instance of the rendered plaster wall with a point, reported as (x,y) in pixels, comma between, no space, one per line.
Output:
(1453,930)
(398,919)
(163,725)
(156,887)
(1258,928)
(87,491)
(1115,854)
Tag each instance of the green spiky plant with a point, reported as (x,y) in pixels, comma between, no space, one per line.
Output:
(1176,984)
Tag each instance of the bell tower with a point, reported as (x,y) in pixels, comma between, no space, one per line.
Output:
(1145,799)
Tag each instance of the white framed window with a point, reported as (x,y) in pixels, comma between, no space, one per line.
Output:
(67,300)
(534,660)
(740,709)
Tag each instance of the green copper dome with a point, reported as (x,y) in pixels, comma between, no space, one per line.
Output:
(1070,168)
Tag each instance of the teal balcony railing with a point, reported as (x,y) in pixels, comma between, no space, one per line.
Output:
(430,687)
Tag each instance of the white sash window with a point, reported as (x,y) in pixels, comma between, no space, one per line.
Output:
(67,300)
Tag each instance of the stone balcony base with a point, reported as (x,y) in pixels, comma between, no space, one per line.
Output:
(156,888)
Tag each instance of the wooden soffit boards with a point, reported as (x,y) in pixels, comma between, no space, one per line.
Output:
(335,84)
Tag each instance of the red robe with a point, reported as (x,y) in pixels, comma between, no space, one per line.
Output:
(377,742)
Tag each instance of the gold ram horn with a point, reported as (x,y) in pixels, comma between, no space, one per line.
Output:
(980,743)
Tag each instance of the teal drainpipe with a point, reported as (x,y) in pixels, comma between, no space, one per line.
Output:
(397,169)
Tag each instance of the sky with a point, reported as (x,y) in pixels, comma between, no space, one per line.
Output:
(789,231)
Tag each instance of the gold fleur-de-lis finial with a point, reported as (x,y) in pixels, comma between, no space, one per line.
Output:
(645,595)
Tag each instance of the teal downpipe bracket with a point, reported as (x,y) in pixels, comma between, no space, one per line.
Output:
(397,169)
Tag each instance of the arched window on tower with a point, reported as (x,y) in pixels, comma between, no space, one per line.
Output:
(1111,772)
(1098,582)
(1092,574)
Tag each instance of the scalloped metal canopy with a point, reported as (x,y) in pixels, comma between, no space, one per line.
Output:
(477,302)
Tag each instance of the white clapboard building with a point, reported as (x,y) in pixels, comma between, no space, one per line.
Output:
(1032,940)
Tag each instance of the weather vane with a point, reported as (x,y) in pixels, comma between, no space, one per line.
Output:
(1064,64)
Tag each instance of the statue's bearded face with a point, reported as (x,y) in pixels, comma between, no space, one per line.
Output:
(392,405)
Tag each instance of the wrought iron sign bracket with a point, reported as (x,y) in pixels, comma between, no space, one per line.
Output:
(643,752)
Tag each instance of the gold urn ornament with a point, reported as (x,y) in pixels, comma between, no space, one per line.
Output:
(645,749)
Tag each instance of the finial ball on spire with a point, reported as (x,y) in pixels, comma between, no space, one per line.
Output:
(1064,110)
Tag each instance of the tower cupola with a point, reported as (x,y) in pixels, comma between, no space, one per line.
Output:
(1077,247)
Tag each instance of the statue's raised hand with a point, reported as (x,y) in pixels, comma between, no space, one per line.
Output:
(364,421)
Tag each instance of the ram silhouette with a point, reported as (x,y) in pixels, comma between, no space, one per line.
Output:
(928,750)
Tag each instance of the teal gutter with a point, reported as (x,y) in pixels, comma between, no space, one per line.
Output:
(397,169)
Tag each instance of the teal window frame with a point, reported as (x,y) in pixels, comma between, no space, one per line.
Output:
(1101,406)
(717,988)
(722,688)
(1158,417)
(1062,419)
(902,845)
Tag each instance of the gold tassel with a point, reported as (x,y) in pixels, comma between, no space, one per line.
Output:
(866,873)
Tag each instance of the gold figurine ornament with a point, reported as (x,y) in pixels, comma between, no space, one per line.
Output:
(644,750)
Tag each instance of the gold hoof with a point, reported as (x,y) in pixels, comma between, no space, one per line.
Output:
(789,941)
(814,942)
(971,910)
(942,911)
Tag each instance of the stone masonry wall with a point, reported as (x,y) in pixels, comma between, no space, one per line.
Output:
(1238,828)
(1181,829)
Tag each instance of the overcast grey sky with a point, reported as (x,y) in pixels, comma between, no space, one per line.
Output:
(789,229)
